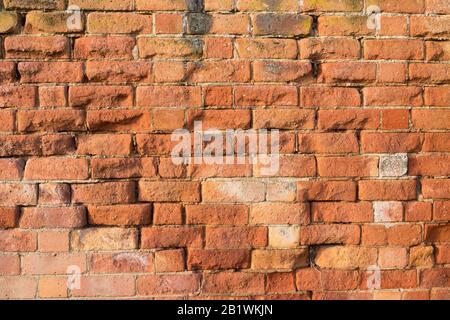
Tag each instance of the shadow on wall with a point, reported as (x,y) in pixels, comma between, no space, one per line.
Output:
(198,21)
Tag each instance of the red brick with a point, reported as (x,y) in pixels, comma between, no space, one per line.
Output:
(395,119)
(347,72)
(218,96)
(327,143)
(282,24)
(436,142)
(106,286)
(236,24)
(53,241)
(312,279)
(430,26)
(429,166)
(18,287)
(429,73)
(279,213)
(168,237)
(289,166)
(9,216)
(18,241)
(329,48)
(118,71)
(52,264)
(218,48)
(391,279)
(437,96)
(394,49)
(437,233)
(123,168)
(7,120)
(20,97)
(168,191)
(342,212)
(391,72)
(234,282)
(9,265)
(280,282)
(394,25)
(387,190)
(120,215)
(441,210)
(173,284)
(200,259)
(56,169)
(104,144)
(217,214)
(329,97)
(235,237)
(438,51)
(282,71)
(167,214)
(233,191)
(100,96)
(279,259)
(43,72)
(169,260)
(266,48)
(443,254)
(436,277)
(374,142)
(431,119)
(65,217)
(326,191)
(347,166)
(266,96)
(348,119)
(330,234)
(219,119)
(7,72)
(104,193)
(124,5)
(168,96)
(39,22)
(343,26)
(122,262)
(13,169)
(13,194)
(397,235)
(54,193)
(104,239)
(436,188)
(39,4)
(100,47)
(52,96)
(393,96)
(418,211)
(105,22)
(392,257)
(52,287)
(28,47)
(51,120)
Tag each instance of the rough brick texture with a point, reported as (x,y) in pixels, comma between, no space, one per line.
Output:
(360,205)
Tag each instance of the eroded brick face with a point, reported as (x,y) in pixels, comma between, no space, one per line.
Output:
(359,207)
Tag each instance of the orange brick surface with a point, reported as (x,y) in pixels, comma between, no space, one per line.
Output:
(93,205)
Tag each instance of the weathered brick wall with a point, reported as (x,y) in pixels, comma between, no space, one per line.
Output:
(359,207)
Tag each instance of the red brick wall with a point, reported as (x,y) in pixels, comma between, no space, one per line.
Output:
(92,205)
